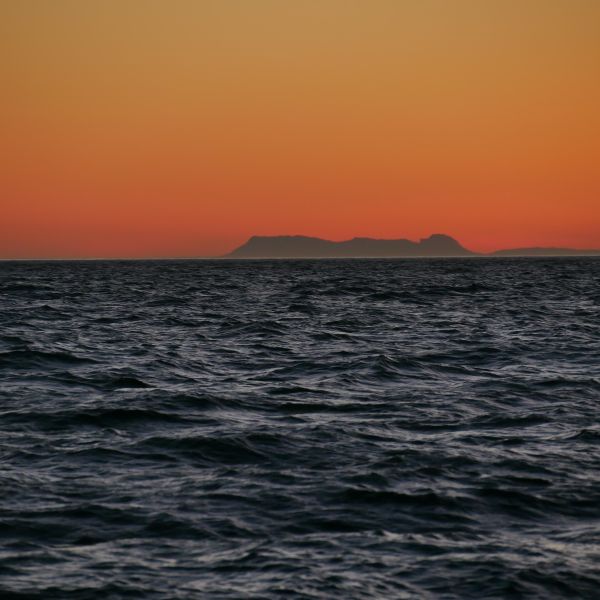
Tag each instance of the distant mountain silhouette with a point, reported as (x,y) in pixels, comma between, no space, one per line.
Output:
(299,246)
(545,252)
(438,244)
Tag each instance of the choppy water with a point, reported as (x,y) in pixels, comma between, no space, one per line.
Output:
(303,429)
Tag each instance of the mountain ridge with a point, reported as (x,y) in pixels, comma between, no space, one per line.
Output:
(436,245)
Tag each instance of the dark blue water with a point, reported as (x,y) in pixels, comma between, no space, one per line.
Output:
(300,429)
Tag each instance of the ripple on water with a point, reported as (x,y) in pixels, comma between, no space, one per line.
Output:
(316,429)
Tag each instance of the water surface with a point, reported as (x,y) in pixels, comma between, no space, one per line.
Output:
(305,429)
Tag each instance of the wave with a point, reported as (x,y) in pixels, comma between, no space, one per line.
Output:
(27,359)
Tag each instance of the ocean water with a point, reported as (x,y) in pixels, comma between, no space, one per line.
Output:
(300,429)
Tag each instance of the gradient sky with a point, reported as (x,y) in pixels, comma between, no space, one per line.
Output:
(182,127)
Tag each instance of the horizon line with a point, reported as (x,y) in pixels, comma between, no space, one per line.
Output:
(540,251)
(590,253)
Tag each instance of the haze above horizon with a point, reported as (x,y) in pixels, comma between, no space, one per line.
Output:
(148,128)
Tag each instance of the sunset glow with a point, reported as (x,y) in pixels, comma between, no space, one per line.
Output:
(180,128)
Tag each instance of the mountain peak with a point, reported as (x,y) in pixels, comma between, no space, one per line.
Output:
(441,240)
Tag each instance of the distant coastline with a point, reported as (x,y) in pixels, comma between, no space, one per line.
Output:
(299,246)
(437,245)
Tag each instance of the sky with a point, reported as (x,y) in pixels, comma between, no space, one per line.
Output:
(166,128)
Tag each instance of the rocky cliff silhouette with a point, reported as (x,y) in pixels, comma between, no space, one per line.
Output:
(298,246)
(438,244)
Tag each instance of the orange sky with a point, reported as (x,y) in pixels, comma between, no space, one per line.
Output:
(181,127)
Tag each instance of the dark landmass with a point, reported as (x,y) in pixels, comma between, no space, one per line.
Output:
(437,245)
(298,246)
(545,252)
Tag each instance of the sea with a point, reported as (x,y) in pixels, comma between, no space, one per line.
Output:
(311,429)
